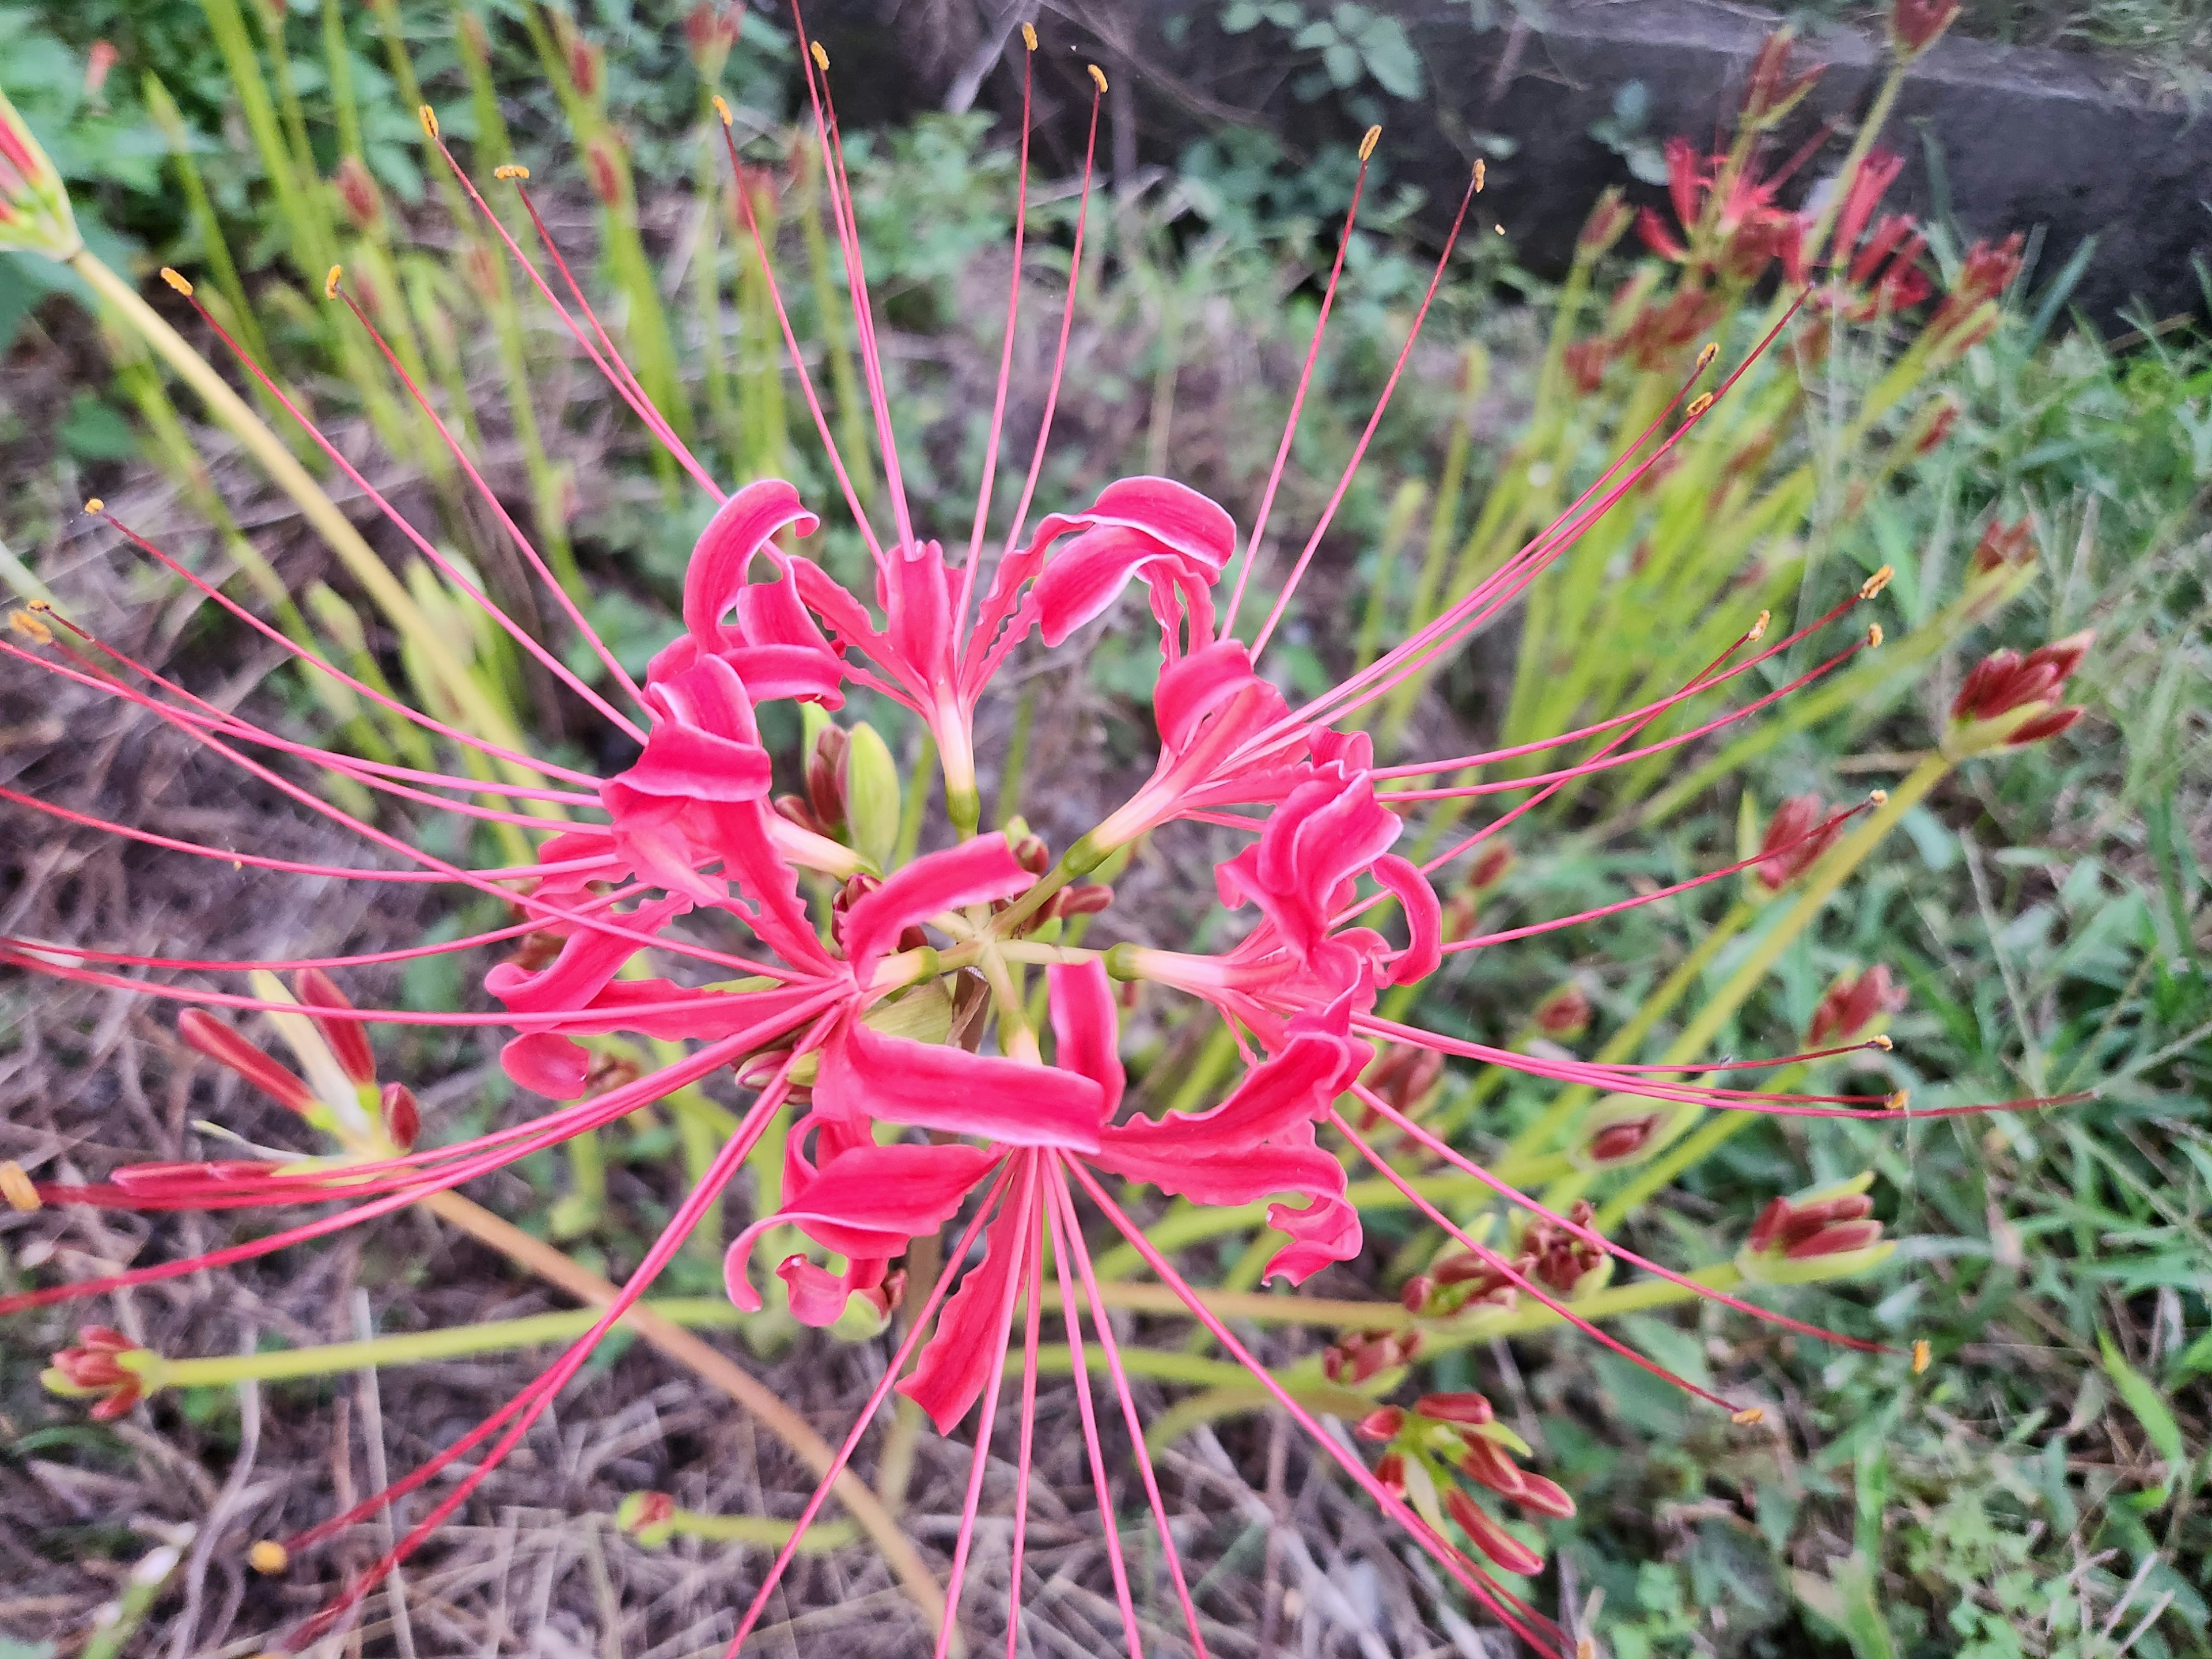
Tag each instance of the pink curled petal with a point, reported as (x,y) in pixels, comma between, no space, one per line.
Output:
(1325,1231)
(1281,1094)
(932,1085)
(816,1295)
(1230,1179)
(1088,1028)
(741,528)
(788,671)
(1087,575)
(1177,540)
(1193,526)
(956,1362)
(1424,918)
(548,1064)
(866,1204)
(1201,683)
(705,746)
(974,872)
(587,962)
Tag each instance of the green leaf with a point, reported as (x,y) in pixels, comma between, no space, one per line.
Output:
(2142,1398)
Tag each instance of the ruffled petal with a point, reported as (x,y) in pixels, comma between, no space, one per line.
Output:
(1281,1094)
(933,1085)
(742,527)
(957,1362)
(1424,918)
(547,1064)
(587,961)
(1087,1027)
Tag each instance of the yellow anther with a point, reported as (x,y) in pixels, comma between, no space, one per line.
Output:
(1098,77)
(429,118)
(1367,144)
(40,605)
(722,109)
(1028,36)
(1584,1648)
(1874,583)
(330,283)
(175,279)
(1480,171)
(1706,354)
(267,1556)
(15,1187)
(820,57)
(511,170)
(1877,798)
(1920,1356)
(1901,1101)
(1698,406)
(1747,1416)
(1873,635)
(1759,628)
(1880,1040)
(30,628)
(95,505)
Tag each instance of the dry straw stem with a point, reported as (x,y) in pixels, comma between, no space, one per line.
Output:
(715,1367)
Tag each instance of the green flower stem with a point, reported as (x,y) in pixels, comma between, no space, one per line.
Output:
(1623,1043)
(1650,1177)
(764,1531)
(1820,884)
(360,561)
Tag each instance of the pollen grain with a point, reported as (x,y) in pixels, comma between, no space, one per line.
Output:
(330,283)
(722,109)
(1747,1416)
(1920,1357)
(1098,77)
(1698,406)
(267,1556)
(1367,144)
(1876,583)
(175,279)
(429,118)
(30,628)
(1028,36)
(1873,637)
(820,57)
(513,170)
(15,1187)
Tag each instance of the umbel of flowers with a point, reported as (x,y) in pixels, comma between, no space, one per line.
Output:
(928,1040)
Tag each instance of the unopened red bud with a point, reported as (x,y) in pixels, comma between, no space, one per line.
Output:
(349,1038)
(356,188)
(1623,1139)
(1565,1015)
(1938,430)
(1087,900)
(1844,1237)
(1545,1498)
(1794,838)
(796,809)
(403,1115)
(1490,1538)
(1390,1474)
(600,162)
(1382,1423)
(825,776)
(1492,864)
(219,1043)
(1462,1407)
(1418,1288)
(2004,547)
(1484,1461)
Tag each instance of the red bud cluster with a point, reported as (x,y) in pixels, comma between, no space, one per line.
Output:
(2004,681)
(1915,25)
(1559,1259)
(1771,91)
(1403,1076)
(1362,1355)
(1986,272)
(1793,840)
(1827,1226)
(1851,1005)
(94,1367)
(1564,1014)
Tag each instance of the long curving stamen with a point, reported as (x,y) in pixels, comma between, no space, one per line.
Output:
(1512,1275)
(1031,1322)
(1023,1246)
(791,342)
(1589,1236)
(616,373)
(1298,397)
(531,1404)
(628,385)
(954,1258)
(1524,1622)
(1071,1229)
(606,1108)
(814,62)
(1534,780)
(291,867)
(1066,326)
(1005,359)
(446,567)
(1080,1370)
(382,699)
(1360,450)
(531,556)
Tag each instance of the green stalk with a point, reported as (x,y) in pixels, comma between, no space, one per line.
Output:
(1017,759)
(707,286)
(1405,508)
(854,438)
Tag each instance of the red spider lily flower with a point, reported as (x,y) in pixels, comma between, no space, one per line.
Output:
(1851,1007)
(93,1368)
(1969,310)
(1813,1227)
(2005,685)
(857,1029)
